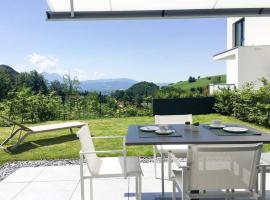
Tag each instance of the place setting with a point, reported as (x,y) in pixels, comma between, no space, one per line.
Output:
(157,131)
(220,129)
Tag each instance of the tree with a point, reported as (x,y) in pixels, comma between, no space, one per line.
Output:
(143,88)
(71,89)
(8,78)
(33,80)
(58,88)
(191,79)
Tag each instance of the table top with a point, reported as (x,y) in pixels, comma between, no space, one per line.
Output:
(204,136)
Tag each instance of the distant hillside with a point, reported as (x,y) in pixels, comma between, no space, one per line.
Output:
(106,85)
(103,85)
(201,82)
(52,77)
(9,70)
(109,85)
(143,88)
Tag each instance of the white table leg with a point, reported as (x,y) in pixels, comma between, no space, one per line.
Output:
(162,174)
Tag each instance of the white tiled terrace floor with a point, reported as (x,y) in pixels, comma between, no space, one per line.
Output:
(62,183)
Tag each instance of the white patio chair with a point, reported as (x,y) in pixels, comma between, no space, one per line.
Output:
(218,171)
(179,150)
(108,166)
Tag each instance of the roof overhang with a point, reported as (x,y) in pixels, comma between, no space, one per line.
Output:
(136,9)
(226,55)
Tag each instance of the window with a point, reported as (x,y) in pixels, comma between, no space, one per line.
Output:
(239,27)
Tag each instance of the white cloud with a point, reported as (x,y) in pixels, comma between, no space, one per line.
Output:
(43,63)
(50,64)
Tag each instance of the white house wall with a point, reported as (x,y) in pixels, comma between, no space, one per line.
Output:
(252,61)
(257,31)
(253,64)
(232,72)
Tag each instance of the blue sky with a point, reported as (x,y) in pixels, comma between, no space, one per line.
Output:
(151,50)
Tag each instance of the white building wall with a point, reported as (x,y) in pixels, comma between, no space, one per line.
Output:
(253,64)
(257,31)
(252,61)
(232,71)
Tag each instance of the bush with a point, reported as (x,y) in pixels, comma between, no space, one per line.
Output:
(247,103)
(224,101)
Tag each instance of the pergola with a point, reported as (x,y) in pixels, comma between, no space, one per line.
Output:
(143,9)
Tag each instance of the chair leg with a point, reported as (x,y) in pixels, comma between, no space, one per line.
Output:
(155,161)
(91,189)
(71,131)
(140,187)
(169,168)
(174,190)
(262,184)
(81,177)
(137,187)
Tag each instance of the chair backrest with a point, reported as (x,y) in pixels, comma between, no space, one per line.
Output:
(15,123)
(87,145)
(223,166)
(172,119)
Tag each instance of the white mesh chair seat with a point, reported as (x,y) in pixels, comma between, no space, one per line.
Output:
(227,176)
(114,166)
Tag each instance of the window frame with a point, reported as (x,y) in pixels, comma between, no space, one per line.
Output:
(242,39)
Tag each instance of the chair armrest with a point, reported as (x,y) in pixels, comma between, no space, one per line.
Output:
(263,166)
(176,161)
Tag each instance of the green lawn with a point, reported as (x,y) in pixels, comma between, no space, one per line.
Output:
(62,144)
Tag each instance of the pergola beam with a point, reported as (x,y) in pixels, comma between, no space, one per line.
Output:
(153,14)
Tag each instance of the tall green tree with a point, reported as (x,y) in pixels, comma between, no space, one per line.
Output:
(8,78)
(33,80)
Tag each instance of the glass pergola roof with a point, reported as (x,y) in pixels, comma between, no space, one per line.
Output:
(109,9)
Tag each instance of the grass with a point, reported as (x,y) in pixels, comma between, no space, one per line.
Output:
(62,144)
(202,82)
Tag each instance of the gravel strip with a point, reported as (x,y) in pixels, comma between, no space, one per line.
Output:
(10,167)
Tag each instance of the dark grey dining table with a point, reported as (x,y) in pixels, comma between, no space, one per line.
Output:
(205,135)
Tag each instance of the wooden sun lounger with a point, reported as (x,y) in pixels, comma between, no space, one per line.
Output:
(24,131)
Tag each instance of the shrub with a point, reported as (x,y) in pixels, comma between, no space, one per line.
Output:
(247,103)
(224,101)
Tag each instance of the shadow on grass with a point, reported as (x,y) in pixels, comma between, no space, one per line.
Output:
(41,143)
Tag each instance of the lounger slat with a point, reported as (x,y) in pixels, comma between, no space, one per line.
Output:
(54,127)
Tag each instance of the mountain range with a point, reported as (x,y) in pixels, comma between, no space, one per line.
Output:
(103,85)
